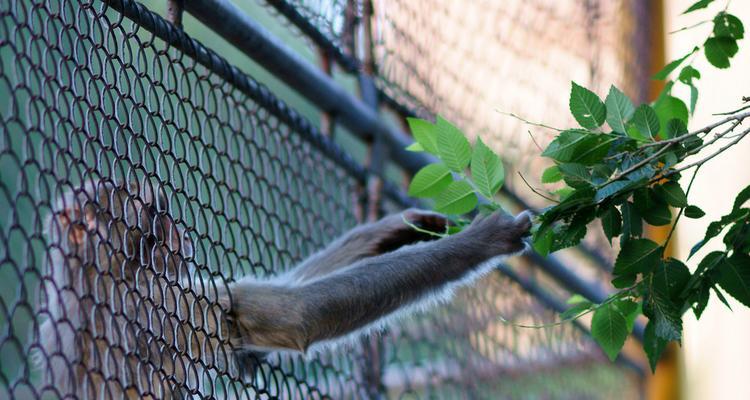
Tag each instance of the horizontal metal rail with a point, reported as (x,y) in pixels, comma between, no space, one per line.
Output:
(289,11)
(243,32)
(549,300)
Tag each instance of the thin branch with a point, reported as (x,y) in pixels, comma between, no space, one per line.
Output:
(684,28)
(637,165)
(703,161)
(534,190)
(716,137)
(736,119)
(745,107)
(510,114)
(706,129)
(535,142)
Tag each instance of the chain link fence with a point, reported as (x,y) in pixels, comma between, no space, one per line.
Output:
(176,172)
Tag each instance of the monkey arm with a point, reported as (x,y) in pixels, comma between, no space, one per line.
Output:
(369,240)
(295,317)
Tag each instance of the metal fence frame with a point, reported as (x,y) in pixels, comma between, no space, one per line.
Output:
(360,116)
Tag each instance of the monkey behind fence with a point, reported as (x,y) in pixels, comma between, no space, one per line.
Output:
(127,317)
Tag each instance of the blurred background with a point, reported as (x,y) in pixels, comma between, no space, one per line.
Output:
(715,350)
(473,62)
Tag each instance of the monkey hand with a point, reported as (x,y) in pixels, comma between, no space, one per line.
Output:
(499,233)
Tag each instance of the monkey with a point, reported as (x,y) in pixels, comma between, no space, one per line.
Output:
(128,316)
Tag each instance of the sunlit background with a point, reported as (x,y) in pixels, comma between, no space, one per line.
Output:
(475,62)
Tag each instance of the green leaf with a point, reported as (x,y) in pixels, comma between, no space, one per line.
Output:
(694,212)
(551,175)
(735,277)
(576,309)
(646,121)
(675,127)
(735,237)
(580,146)
(666,90)
(575,175)
(671,277)
(610,190)
(452,147)
(722,298)
(568,235)
(563,193)
(705,267)
(672,193)
(632,222)
(688,74)
(457,198)
(430,181)
(610,329)
(669,108)
(700,299)
(488,208)
(653,345)
(719,50)
(664,73)
(693,98)
(415,147)
(586,107)
(638,256)
(424,133)
(698,5)
(571,203)
(670,158)
(652,208)
(593,149)
(641,175)
(542,242)
(487,170)
(624,281)
(563,148)
(611,222)
(742,197)
(577,298)
(728,26)
(666,317)
(630,310)
(715,227)
(619,109)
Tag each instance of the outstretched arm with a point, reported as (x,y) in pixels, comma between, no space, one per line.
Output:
(355,297)
(369,240)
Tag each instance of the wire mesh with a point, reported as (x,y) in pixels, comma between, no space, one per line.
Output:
(132,175)
(476,62)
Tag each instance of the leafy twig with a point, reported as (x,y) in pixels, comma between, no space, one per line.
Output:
(706,129)
(636,165)
(535,142)
(716,153)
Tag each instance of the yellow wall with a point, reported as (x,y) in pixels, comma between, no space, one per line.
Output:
(716,349)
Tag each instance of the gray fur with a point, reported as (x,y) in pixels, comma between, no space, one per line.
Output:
(122,319)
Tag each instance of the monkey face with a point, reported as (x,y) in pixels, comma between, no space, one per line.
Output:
(113,294)
(119,232)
